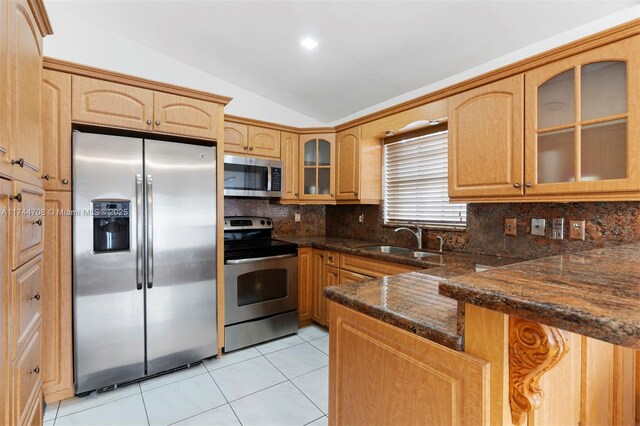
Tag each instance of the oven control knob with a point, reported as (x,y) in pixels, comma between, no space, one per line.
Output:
(268,222)
(262,222)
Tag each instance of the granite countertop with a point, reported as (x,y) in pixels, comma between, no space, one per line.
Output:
(409,301)
(448,263)
(595,293)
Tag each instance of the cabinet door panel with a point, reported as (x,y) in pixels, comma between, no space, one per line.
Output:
(486,141)
(27,380)
(26,289)
(27,82)
(28,223)
(348,164)
(317,167)
(185,116)
(57,339)
(236,137)
(111,104)
(318,280)
(305,284)
(331,277)
(264,142)
(289,156)
(56,131)
(595,148)
(5,296)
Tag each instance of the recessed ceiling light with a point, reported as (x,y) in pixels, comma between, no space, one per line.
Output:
(309,43)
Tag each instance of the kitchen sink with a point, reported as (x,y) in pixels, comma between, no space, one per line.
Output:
(388,249)
(420,254)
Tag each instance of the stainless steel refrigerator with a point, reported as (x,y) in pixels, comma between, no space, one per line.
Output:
(144,257)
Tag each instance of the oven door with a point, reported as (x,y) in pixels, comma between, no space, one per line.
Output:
(256,288)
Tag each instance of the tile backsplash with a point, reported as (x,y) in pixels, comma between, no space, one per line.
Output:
(607,224)
(312,217)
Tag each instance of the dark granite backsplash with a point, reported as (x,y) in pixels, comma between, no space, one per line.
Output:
(312,217)
(608,224)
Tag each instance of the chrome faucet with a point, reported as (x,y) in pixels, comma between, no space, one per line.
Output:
(417,233)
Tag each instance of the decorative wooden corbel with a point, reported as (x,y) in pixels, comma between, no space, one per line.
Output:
(534,349)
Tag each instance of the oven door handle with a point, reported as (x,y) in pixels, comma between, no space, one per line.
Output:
(259,259)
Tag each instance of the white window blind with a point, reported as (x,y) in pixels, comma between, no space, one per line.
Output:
(416,183)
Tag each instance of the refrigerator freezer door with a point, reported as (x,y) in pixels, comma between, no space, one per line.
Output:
(108,300)
(181,297)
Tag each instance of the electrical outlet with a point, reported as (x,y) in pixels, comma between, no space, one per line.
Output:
(557,228)
(361,218)
(577,230)
(510,227)
(537,227)
(296,217)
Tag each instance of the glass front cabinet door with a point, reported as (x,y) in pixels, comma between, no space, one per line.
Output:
(317,171)
(582,123)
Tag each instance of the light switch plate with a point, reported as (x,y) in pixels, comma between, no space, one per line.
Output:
(537,227)
(296,217)
(577,230)
(557,232)
(510,227)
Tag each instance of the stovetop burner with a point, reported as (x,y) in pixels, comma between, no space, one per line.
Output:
(247,237)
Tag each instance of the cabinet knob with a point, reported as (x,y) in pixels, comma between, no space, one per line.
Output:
(335,274)
(528,184)
(330,257)
(245,147)
(149,122)
(35,370)
(157,122)
(36,296)
(37,222)
(19,162)
(331,194)
(516,185)
(65,181)
(45,177)
(250,148)
(296,194)
(17,197)
(355,193)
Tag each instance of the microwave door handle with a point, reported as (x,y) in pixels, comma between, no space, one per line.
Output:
(149,231)
(259,259)
(139,232)
(268,178)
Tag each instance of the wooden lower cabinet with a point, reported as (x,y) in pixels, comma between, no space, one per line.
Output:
(5,300)
(27,215)
(57,362)
(382,375)
(305,284)
(27,381)
(318,279)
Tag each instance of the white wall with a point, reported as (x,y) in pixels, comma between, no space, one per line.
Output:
(555,41)
(76,41)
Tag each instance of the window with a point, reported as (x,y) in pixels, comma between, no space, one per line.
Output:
(416,183)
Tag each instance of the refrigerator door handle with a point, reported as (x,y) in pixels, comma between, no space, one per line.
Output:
(149,231)
(139,232)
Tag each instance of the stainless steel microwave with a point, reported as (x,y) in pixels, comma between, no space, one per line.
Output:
(252,177)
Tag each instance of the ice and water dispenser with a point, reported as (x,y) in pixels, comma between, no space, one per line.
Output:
(111,222)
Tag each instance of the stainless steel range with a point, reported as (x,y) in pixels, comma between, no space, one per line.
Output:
(261,283)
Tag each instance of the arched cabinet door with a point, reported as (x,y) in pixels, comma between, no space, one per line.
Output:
(235,137)
(317,172)
(348,164)
(486,141)
(56,131)
(185,116)
(582,123)
(111,104)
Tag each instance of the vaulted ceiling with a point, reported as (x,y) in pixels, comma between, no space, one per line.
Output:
(369,51)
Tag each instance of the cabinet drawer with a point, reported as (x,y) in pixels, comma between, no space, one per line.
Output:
(347,277)
(27,223)
(373,267)
(27,381)
(332,258)
(26,288)
(111,104)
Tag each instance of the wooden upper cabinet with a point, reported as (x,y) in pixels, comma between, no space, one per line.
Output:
(348,164)
(111,104)
(26,76)
(582,123)
(5,88)
(236,137)
(486,140)
(289,147)
(264,142)
(317,167)
(56,131)
(183,116)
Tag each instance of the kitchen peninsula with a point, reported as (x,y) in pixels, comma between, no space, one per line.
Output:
(546,340)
